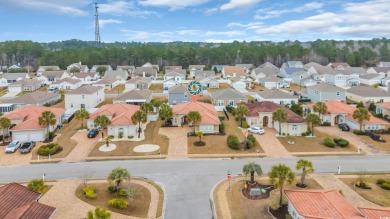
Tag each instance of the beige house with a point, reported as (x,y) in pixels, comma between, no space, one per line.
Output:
(260,114)
(383,108)
(233,71)
(138,83)
(24,85)
(227,97)
(86,96)
(107,83)
(367,94)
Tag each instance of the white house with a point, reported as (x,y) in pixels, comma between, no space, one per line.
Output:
(367,94)
(276,96)
(86,96)
(118,75)
(138,83)
(107,83)
(170,83)
(95,67)
(36,98)
(259,73)
(66,84)
(86,77)
(42,69)
(305,78)
(194,68)
(371,79)
(48,77)
(26,121)
(342,78)
(339,65)
(9,78)
(177,76)
(271,82)
(208,83)
(135,97)
(24,85)
(79,66)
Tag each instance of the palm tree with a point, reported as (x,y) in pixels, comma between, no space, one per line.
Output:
(47,119)
(306,166)
(320,108)
(241,111)
(108,140)
(62,93)
(199,134)
(361,114)
(147,107)
(156,103)
(312,120)
(5,123)
(252,168)
(194,117)
(279,116)
(279,175)
(165,112)
(81,114)
(138,117)
(101,121)
(99,213)
(118,175)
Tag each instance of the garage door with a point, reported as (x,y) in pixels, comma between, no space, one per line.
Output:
(28,136)
(21,136)
(36,136)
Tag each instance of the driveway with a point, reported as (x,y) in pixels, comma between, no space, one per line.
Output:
(354,139)
(271,145)
(9,95)
(177,140)
(13,159)
(83,147)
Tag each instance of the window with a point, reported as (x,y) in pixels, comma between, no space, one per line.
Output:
(206,128)
(381,100)
(71,105)
(221,102)
(338,93)
(185,95)
(253,122)
(294,127)
(231,102)
(174,102)
(82,106)
(82,96)
(174,120)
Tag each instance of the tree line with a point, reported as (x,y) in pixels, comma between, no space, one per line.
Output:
(63,53)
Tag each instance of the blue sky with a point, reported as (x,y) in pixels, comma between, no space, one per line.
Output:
(194,20)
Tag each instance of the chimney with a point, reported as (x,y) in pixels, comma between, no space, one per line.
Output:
(143,74)
(80,63)
(234,74)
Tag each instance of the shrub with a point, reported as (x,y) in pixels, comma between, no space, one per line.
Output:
(308,133)
(36,185)
(336,140)
(233,142)
(249,144)
(303,134)
(358,184)
(343,143)
(245,124)
(222,127)
(111,136)
(237,118)
(47,149)
(386,185)
(230,109)
(111,189)
(251,138)
(122,192)
(89,192)
(283,134)
(329,143)
(358,132)
(325,124)
(120,135)
(51,135)
(118,203)
(380,181)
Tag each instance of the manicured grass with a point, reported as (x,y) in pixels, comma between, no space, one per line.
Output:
(257,87)
(125,148)
(59,105)
(294,87)
(376,195)
(105,102)
(216,144)
(156,88)
(116,90)
(241,207)
(380,145)
(161,98)
(139,207)
(313,144)
(3,90)
(222,86)
(205,99)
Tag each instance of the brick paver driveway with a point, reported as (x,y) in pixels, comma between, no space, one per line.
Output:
(13,159)
(354,139)
(177,141)
(83,147)
(271,145)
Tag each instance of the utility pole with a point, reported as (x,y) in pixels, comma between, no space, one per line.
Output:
(97,32)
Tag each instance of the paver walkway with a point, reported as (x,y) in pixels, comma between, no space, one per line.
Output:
(177,140)
(354,139)
(62,196)
(271,145)
(330,181)
(83,147)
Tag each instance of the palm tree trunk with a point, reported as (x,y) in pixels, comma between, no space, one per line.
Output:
(3,136)
(139,129)
(280,128)
(281,197)
(312,129)
(303,176)
(118,182)
(241,122)
(361,126)
(252,177)
(48,133)
(82,120)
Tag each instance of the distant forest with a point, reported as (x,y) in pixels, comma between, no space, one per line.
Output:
(63,53)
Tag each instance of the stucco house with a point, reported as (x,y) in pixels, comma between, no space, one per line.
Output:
(24,85)
(138,83)
(9,78)
(36,98)
(209,123)
(27,125)
(86,96)
(120,116)
(273,82)
(42,69)
(324,92)
(342,78)
(233,71)
(145,72)
(135,97)
(227,97)
(78,65)
(276,96)
(383,108)
(48,77)
(66,84)
(86,77)
(260,114)
(118,75)
(367,94)
(178,94)
(106,83)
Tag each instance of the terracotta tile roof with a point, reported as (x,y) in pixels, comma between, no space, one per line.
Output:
(230,70)
(322,204)
(267,106)
(207,111)
(16,201)
(35,97)
(30,115)
(368,91)
(385,105)
(121,113)
(335,107)
(85,89)
(375,213)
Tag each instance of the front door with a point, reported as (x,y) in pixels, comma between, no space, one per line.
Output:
(265,121)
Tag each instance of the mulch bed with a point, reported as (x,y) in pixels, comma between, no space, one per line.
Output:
(280,213)
(249,186)
(363,186)
(199,143)
(299,185)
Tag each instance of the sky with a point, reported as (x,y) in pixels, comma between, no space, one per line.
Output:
(194,20)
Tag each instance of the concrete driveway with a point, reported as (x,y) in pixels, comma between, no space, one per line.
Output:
(83,147)
(177,140)
(271,145)
(13,159)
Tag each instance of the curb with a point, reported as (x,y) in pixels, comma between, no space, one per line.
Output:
(164,201)
(212,203)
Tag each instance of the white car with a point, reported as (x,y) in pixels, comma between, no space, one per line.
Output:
(256,130)
(13,146)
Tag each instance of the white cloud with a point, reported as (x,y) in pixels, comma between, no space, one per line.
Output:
(123,8)
(233,4)
(147,36)
(188,32)
(69,7)
(102,23)
(224,33)
(267,13)
(172,4)
(249,26)
(210,11)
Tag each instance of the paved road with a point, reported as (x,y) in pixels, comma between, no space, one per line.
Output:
(187,182)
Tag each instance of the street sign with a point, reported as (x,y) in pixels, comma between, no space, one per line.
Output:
(229,171)
(229,176)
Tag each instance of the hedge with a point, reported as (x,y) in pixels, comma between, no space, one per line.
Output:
(118,203)
(341,142)
(47,149)
(233,142)
(89,191)
(329,143)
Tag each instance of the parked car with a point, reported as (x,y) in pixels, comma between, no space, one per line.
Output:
(13,146)
(341,125)
(256,130)
(345,128)
(27,147)
(92,133)
(53,90)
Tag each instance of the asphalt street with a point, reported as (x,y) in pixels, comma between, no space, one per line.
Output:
(187,182)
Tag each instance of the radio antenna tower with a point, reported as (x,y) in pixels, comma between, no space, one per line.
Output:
(97,32)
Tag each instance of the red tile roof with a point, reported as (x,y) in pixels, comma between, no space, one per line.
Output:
(29,116)
(16,201)
(322,204)
(207,111)
(121,113)
(375,213)
(385,105)
(267,106)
